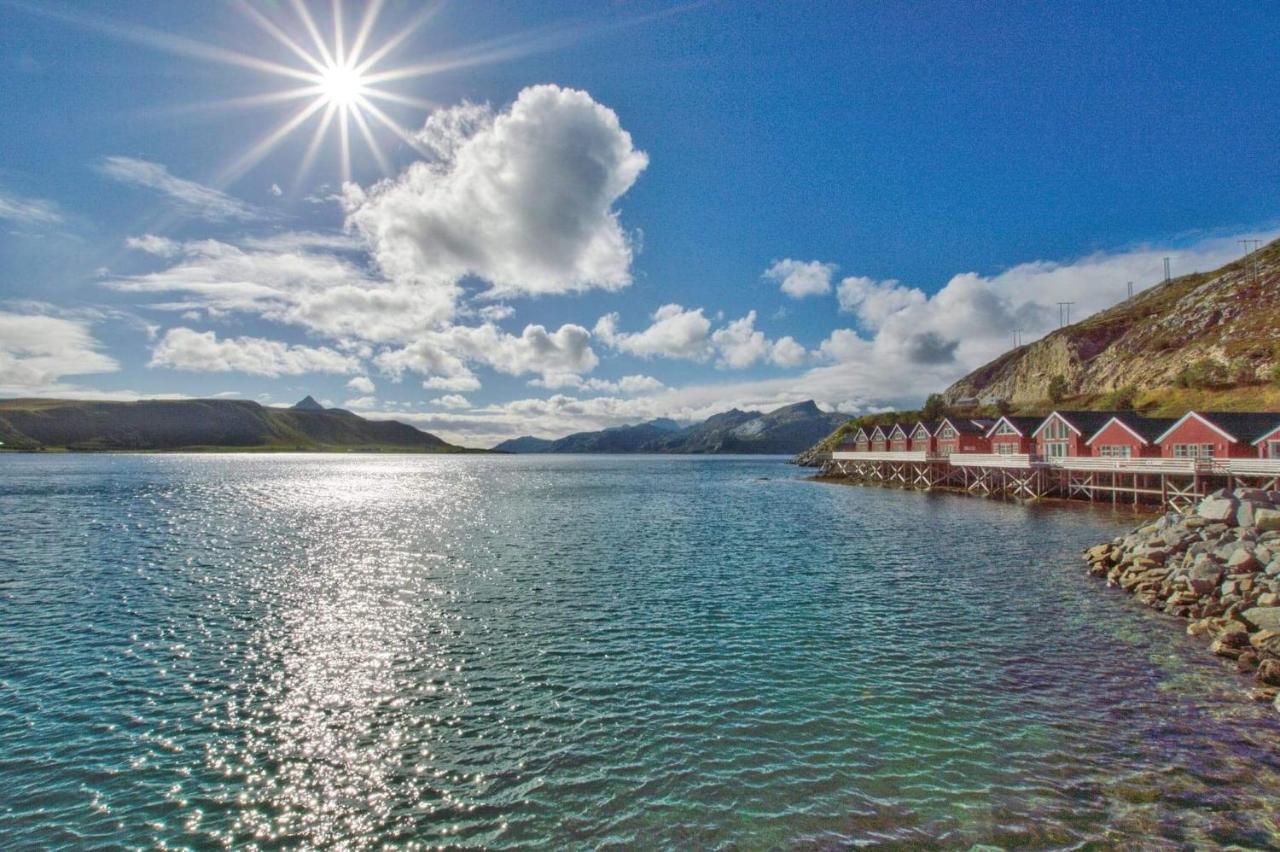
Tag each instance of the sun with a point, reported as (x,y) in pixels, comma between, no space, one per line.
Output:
(343,85)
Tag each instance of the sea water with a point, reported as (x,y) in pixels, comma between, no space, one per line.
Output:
(502,651)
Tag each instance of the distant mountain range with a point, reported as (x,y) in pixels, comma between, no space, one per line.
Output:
(202,424)
(783,431)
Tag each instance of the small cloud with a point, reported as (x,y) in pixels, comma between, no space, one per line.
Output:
(361,384)
(452,400)
(798,278)
(276,190)
(194,198)
(28,211)
(151,244)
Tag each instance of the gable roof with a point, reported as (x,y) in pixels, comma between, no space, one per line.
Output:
(964,426)
(879,430)
(899,427)
(1082,422)
(1236,426)
(1022,425)
(1145,429)
(861,434)
(929,426)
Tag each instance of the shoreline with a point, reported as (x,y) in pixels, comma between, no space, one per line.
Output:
(1216,566)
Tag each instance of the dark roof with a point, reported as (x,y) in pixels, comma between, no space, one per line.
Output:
(931,425)
(965,426)
(1087,422)
(905,427)
(1245,426)
(1025,425)
(1150,428)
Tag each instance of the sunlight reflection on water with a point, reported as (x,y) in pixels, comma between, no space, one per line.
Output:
(495,652)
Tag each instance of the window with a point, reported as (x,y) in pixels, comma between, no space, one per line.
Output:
(1193,451)
(948,432)
(1056,429)
(1006,429)
(1115,451)
(1006,448)
(1055,449)
(1273,449)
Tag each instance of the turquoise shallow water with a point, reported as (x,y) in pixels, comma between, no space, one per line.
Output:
(588,652)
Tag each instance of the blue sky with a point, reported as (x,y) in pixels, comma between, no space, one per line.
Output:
(588,226)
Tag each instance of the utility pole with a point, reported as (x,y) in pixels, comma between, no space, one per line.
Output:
(1167,278)
(1064,313)
(1130,289)
(1254,251)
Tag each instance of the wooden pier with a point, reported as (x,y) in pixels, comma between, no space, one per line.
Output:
(1176,483)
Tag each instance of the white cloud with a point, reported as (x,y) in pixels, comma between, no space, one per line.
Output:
(739,344)
(361,384)
(28,211)
(37,351)
(521,199)
(189,196)
(799,278)
(674,333)
(152,244)
(445,352)
(786,352)
(452,400)
(627,385)
(361,403)
(466,382)
(186,349)
(875,301)
(276,190)
(283,282)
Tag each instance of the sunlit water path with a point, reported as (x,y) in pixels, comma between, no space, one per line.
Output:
(591,651)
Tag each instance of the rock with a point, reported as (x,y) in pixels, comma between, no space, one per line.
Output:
(1268,673)
(1267,520)
(1254,494)
(1247,662)
(1220,648)
(1244,514)
(1264,694)
(1098,552)
(1218,509)
(1243,562)
(1263,617)
(1268,599)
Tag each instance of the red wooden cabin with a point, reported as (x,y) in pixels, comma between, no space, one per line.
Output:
(879,440)
(861,440)
(898,438)
(1128,436)
(1218,435)
(959,435)
(1011,435)
(1064,433)
(922,439)
(1268,444)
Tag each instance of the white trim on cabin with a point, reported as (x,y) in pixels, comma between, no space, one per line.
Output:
(1224,433)
(1262,438)
(897,427)
(861,435)
(991,433)
(884,436)
(946,421)
(920,427)
(1053,414)
(1126,426)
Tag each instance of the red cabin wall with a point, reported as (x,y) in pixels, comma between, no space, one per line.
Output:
(964,444)
(1076,445)
(1261,446)
(1193,431)
(925,444)
(1117,435)
(1021,446)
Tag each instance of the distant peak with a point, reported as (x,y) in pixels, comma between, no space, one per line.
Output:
(308,403)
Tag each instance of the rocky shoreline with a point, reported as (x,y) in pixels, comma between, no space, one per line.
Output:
(1218,566)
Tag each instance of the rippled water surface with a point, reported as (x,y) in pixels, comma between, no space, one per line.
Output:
(590,652)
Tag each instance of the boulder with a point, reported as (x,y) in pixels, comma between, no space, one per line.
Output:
(1255,494)
(1247,661)
(1263,617)
(1218,510)
(1242,561)
(1246,514)
(1268,672)
(1267,520)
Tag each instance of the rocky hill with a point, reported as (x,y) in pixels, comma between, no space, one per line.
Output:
(204,424)
(1208,330)
(784,431)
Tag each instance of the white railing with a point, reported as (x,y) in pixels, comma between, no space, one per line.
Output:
(1255,467)
(901,456)
(1012,460)
(1123,465)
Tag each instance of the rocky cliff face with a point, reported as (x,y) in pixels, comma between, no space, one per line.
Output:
(1228,318)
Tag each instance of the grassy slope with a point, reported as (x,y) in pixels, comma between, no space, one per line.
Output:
(208,425)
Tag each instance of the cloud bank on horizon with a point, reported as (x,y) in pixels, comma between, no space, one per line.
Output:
(423,286)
